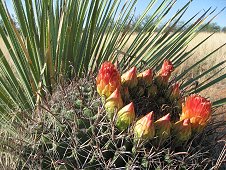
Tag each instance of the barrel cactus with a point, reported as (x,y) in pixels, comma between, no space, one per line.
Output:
(73,96)
(97,124)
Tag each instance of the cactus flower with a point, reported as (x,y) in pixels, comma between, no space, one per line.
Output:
(114,101)
(162,127)
(108,79)
(144,128)
(145,77)
(175,92)
(125,116)
(182,130)
(165,73)
(129,78)
(198,110)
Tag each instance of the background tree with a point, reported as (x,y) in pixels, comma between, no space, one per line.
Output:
(212,27)
(223,29)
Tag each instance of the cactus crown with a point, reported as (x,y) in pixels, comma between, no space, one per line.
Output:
(74,132)
(145,129)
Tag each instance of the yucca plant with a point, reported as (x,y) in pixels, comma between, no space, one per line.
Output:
(51,114)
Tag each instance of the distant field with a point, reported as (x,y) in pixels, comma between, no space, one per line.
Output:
(219,90)
(211,44)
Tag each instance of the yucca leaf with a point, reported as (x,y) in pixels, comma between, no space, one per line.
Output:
(57,40)
(181,58)
(219,102)
(203,74)
(211,83)
(199,62)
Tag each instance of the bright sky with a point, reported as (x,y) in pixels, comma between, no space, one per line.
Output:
(195,6)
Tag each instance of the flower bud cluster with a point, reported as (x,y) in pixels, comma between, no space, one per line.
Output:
(119,91)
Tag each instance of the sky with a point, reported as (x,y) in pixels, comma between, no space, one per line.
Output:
(195,6)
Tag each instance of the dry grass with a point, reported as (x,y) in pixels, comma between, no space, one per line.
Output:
(219,90)
(207,47)
(216,92)
(3,48)
(211,44)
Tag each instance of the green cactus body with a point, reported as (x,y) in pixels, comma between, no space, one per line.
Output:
(79,132)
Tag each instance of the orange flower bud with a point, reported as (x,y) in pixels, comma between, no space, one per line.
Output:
(162,127)
(145,77)
(125,116)
(114,101)
(198,110)
(129,78)
(182,130)
(144,128)
(165,73)
(174,93)
(108,79)
(167,68)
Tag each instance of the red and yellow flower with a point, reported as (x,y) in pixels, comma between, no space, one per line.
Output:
(125,116)
(146,77)
(162,127)
(182,130)
(108,79)
(198,110)
(113,103)
(144,128)
(165,73)
(129,78)
(175,92)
